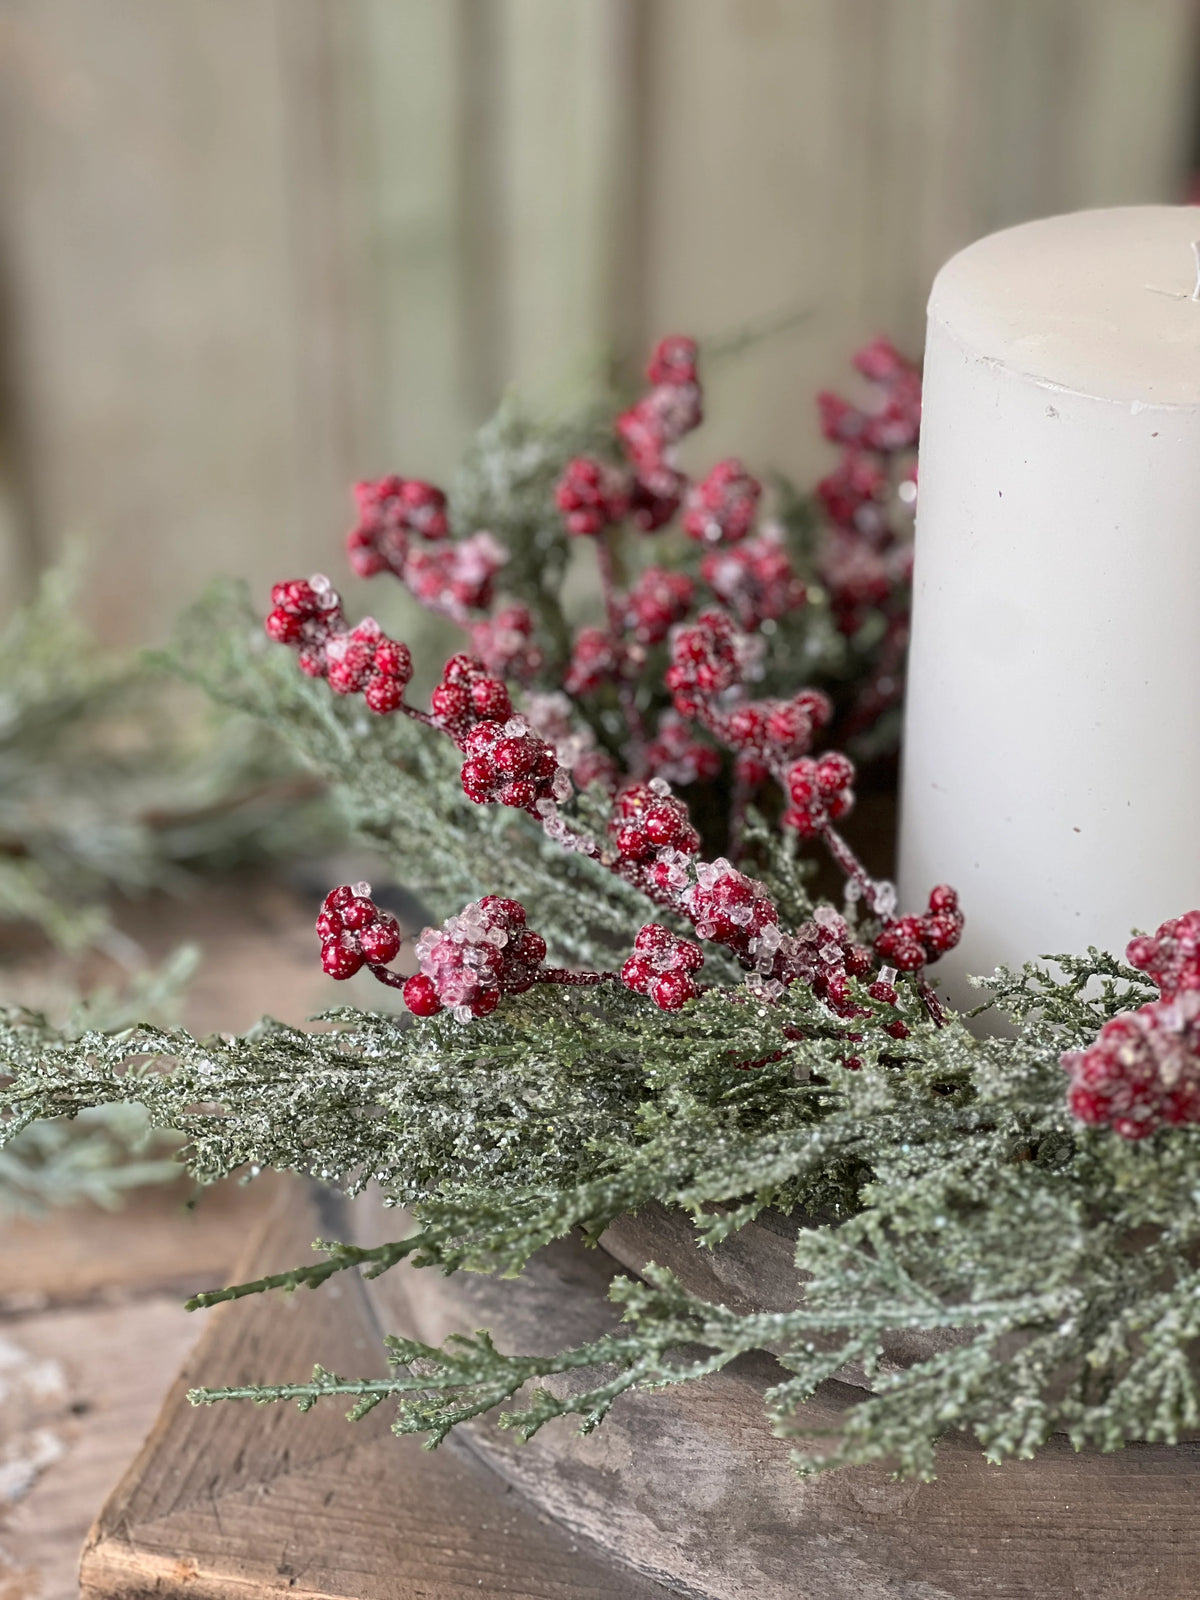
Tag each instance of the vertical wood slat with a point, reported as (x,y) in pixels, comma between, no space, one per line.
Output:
(252,251)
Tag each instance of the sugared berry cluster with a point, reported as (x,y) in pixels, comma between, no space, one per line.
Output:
(591,497)
(506,644)
(360,660)
(647,818)
(390,510)
(755,580)
(721,508)
(910,942)
(454,579)
(596,657)
(820,791)
(354,932)
(475,957)
(466,695)
(892,420)
(657,601)
(661,967)
(727,907)
(705,661)
(509,763)
(1142,1072)
(676,755)
(651,429)
(1170,958)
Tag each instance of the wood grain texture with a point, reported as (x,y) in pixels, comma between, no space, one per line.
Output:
(249,251)
(234,1500)
(690,1485)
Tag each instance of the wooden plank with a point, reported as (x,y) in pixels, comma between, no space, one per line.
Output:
(232,1500)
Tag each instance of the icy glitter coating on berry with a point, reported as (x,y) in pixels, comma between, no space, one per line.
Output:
(354,932)
(1171,957)
(1143,1071)
(661,967)
(474,958)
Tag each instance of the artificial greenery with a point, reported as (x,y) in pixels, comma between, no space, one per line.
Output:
(936,1179)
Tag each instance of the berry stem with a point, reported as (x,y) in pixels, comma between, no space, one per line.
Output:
(385,975)
(931,1002)
(421,716)
(739,800)
(853,868)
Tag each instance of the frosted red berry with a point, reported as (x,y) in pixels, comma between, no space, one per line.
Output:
(728,907)
(704,659)
(657,601)
(471,961)
(661,967)
(648,819)
(590,496)
(1143,1071)
(506,644)
(821,792)
(596,658)
(911,941)
(721,508)
(355,932)
(1171,957)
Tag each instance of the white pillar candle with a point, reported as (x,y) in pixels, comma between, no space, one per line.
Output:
(1051,767)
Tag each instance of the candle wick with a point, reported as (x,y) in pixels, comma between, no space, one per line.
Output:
(1196,255)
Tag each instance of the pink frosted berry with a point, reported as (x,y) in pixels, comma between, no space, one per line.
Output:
(506,645)
(677,756)
(1171,957)
(455,579)
(354,932)
(1143,1071)
(596,658)
(721,508)
(661,967)
(474,958)
(673,360)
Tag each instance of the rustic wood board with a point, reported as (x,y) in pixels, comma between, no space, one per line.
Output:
(234,1500)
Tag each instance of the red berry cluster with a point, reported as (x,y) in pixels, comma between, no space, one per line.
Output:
(506,645)
(647,818)
(1171,957)
(721,508)
(456,578)
(727,907)
(821,792)
(591,496)
(661,967)
(893,419)
(911,942)
(658,600)
(509,763)
(468,694)
(596,658)
(778,730)
(704,661)
(354,932)
(649,431)
(1143,1071)
(755,580)
(855,493)
(677,756)
(389,511)
(361,660)
(366,661)
(306,614)
(474,958)
(859,577)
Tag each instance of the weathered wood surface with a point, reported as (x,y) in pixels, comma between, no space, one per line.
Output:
(691,1486)
(92,1331)
(234,1500)
(255,250)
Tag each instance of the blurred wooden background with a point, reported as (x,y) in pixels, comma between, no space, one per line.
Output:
(251,249)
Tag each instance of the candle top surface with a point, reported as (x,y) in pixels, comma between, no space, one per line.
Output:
(1097,302)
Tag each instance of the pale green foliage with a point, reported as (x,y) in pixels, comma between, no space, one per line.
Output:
(954,1190)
